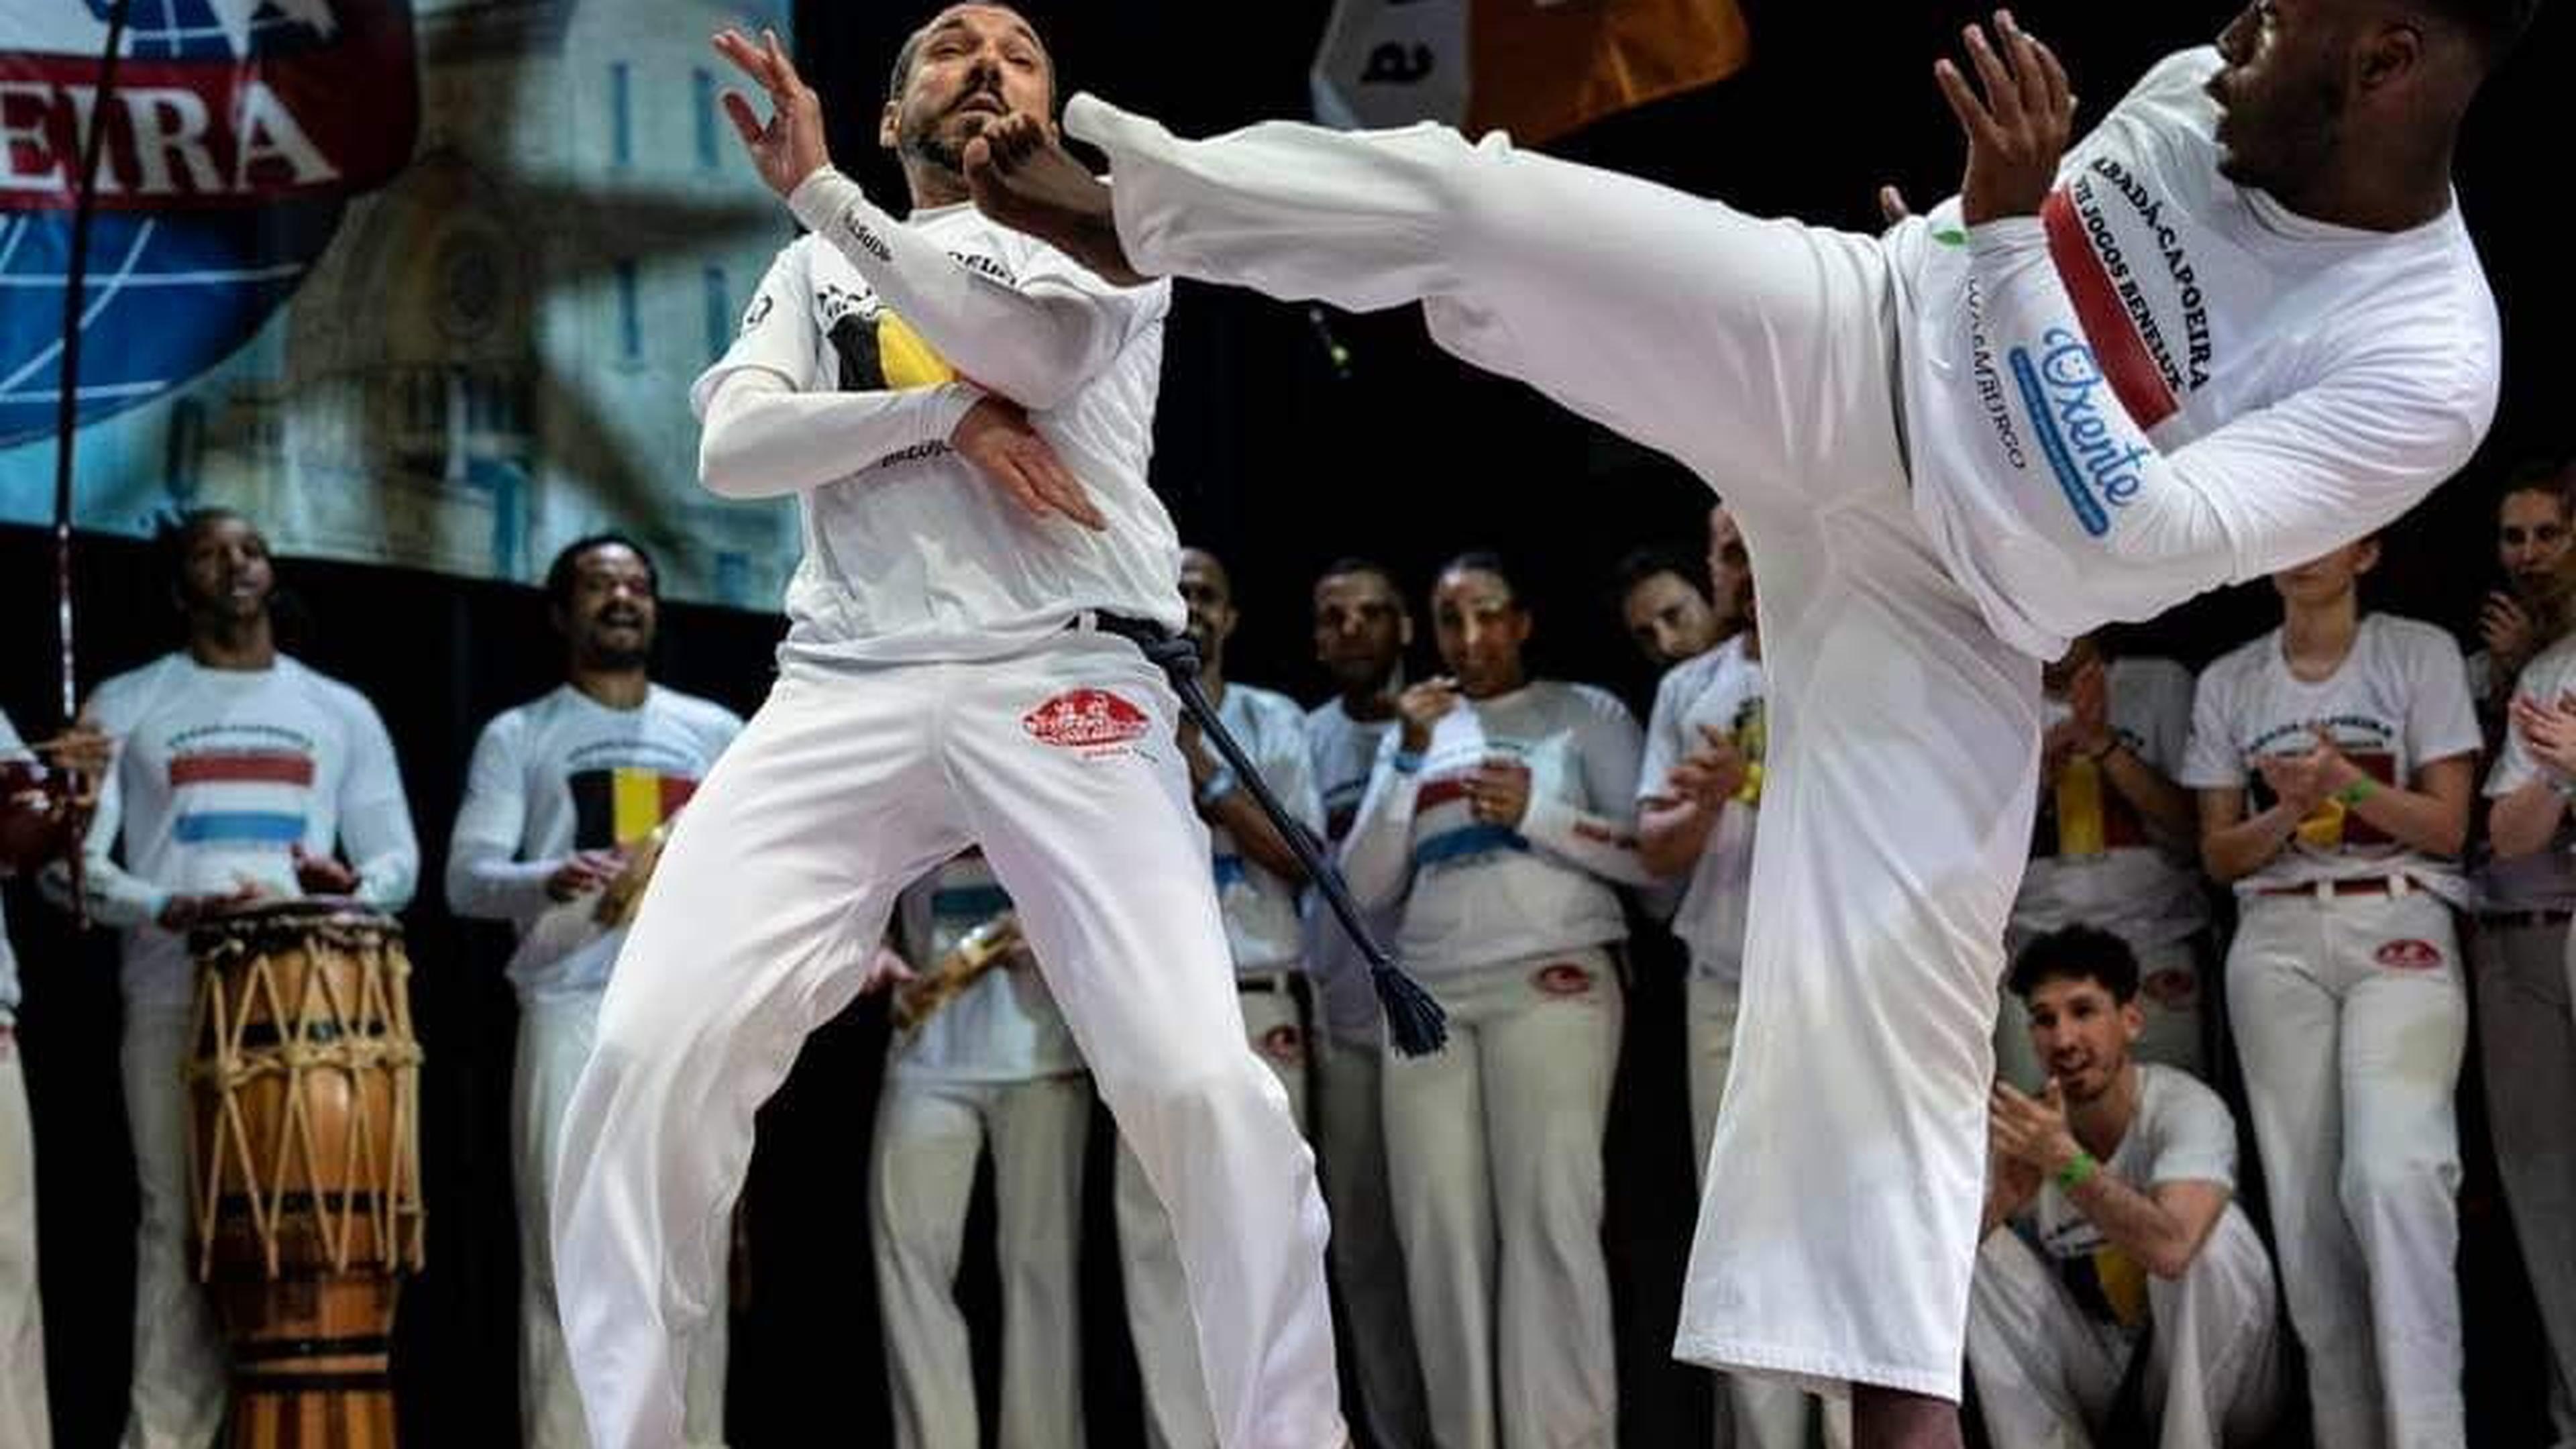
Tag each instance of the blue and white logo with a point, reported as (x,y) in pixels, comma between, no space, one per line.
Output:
(2069,403)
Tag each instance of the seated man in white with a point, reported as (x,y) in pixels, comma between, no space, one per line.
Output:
(2111,1232)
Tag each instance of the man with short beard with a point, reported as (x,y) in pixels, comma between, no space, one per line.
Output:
(2112,1230)
(561,793)
(964,417)
(240,774)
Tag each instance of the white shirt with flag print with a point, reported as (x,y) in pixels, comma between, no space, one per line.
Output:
(1720,690)
(566,773)
(1261,924)
(2399,701)
(1482,894)
(2166,382)
(220,774)
(2093,861)
(846,400)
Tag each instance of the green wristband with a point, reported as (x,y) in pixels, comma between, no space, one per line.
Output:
(2077,1172)
(2361,788)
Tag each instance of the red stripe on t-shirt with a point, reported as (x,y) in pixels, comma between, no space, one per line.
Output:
(257,767)
(1440,791)
(2126,363)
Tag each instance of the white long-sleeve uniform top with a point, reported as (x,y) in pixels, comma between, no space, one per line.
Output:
(849,375)
(220,774)
(2166,382)
(1481,894)
(1260,908)
(1721,689)
(565,773)
(2399,700)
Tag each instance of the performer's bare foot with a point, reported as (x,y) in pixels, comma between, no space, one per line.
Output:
(1022,177)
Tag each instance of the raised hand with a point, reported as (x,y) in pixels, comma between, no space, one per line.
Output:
(1421,706)
(791,146)
(2017,129)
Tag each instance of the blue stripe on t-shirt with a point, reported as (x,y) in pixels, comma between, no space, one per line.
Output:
(1467,841)
(238,827)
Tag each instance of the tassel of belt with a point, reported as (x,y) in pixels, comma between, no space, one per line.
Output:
(1414,1020)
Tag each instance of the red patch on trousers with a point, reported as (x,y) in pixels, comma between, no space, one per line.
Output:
(2173,987)
(2410,955)
(1284,1044)
(1563,979)
(1082,719)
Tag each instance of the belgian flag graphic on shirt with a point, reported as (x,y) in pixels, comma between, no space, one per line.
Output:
(880,352)
(619,806)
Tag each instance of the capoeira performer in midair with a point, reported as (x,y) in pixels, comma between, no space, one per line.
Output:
(965,415)
(2241,322)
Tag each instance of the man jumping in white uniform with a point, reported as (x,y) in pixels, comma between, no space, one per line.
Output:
(950,678)
(2237,324)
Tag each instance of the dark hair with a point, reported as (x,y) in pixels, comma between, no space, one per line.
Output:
(1485,561)
(559,574)
(1351,563)
(1644,563)
(2555,477)
(911,48)
(2077,953)
(173,535)
(2494,25)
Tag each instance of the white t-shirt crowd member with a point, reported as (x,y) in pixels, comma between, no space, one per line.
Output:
(2059,1311)
(1262,933)
(2527,1034)
(2094,861)
(1494,1145)
(560,774)
(2346,994)
(994,1070)
(221,774)
(23,1416)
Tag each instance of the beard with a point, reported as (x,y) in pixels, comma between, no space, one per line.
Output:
(939,140)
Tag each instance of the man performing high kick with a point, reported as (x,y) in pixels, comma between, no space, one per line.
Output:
(2239,323)
(950,678)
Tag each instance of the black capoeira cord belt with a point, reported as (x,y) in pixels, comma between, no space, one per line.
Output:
(1414,1021)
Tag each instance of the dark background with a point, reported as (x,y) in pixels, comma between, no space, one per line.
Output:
(1280,461)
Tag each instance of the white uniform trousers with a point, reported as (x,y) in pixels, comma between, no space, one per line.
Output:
(2527,1048)
(930,1134)
(2048,1373)
(2351,1017)
(23,1421)
(1494,1161)
(1367,1262)
(554,1042)
(1752,1411)
(177,1394)
(1177,1415)
(2169,996)
(848,785)
(1904,733)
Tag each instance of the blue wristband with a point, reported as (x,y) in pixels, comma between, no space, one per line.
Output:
(1408,762)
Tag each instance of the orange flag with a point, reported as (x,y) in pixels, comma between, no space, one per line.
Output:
(1535,69)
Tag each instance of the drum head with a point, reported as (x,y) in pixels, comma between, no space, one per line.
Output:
(291,920)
